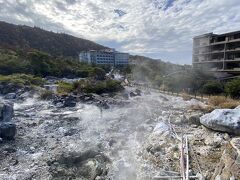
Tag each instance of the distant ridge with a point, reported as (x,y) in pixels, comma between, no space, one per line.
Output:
(56,44)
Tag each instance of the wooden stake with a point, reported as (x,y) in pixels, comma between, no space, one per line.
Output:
(173,177)
(187,159)
(182,160)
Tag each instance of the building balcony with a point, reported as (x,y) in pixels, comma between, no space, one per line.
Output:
(234,40)
(211,52)
(217,52)
(210,61)
(234,70)
(218,60)
(233,50)
(224,42)
(217,43)
(232,60)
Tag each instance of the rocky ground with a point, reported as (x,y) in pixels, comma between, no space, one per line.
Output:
(132,135)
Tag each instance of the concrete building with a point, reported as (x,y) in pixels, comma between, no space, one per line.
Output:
(217,52)
(121,58)
(105,57)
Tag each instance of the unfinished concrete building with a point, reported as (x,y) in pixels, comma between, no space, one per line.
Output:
(219,53)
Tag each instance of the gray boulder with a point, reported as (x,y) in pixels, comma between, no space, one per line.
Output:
(70,101)
(79,165)
(23,96)
(103,104)
(6,87)
(223,120)
(10,96)
(6,111)
(133,94)
(137,92)
(7,130)
(125,96)
(194,119)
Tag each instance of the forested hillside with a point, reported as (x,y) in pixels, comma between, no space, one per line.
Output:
(56,44)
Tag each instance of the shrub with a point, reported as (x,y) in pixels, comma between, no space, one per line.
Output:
(98,73)
(107,86)
(113,85)
(232,88)
(46,95)
(98,87)
(64,87)
(212,88)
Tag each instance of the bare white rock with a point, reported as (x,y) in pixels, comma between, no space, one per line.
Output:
(223,120)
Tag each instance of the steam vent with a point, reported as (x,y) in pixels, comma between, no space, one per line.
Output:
(217,52)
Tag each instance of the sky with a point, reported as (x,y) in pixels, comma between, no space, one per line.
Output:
(160,29)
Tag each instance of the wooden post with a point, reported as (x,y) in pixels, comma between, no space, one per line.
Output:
(182,159)
(187,158)
(173,177)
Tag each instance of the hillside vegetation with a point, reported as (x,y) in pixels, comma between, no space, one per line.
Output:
(26,68)
(151,70)
(57,44)
(180,78)
(41,64)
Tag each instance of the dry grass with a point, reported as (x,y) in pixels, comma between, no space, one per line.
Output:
(197,107)
(223,102)
(186,97)
(229,105)
(204,109)
(216,100)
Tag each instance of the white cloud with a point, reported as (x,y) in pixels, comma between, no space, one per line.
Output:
(162,28)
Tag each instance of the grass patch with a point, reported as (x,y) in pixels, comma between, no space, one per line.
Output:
(22,80)
(64,87)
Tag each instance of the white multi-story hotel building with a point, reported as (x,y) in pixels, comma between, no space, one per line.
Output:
(105,57)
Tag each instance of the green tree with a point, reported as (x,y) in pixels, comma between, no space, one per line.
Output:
(212,88)
(232,88)
(98,73)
